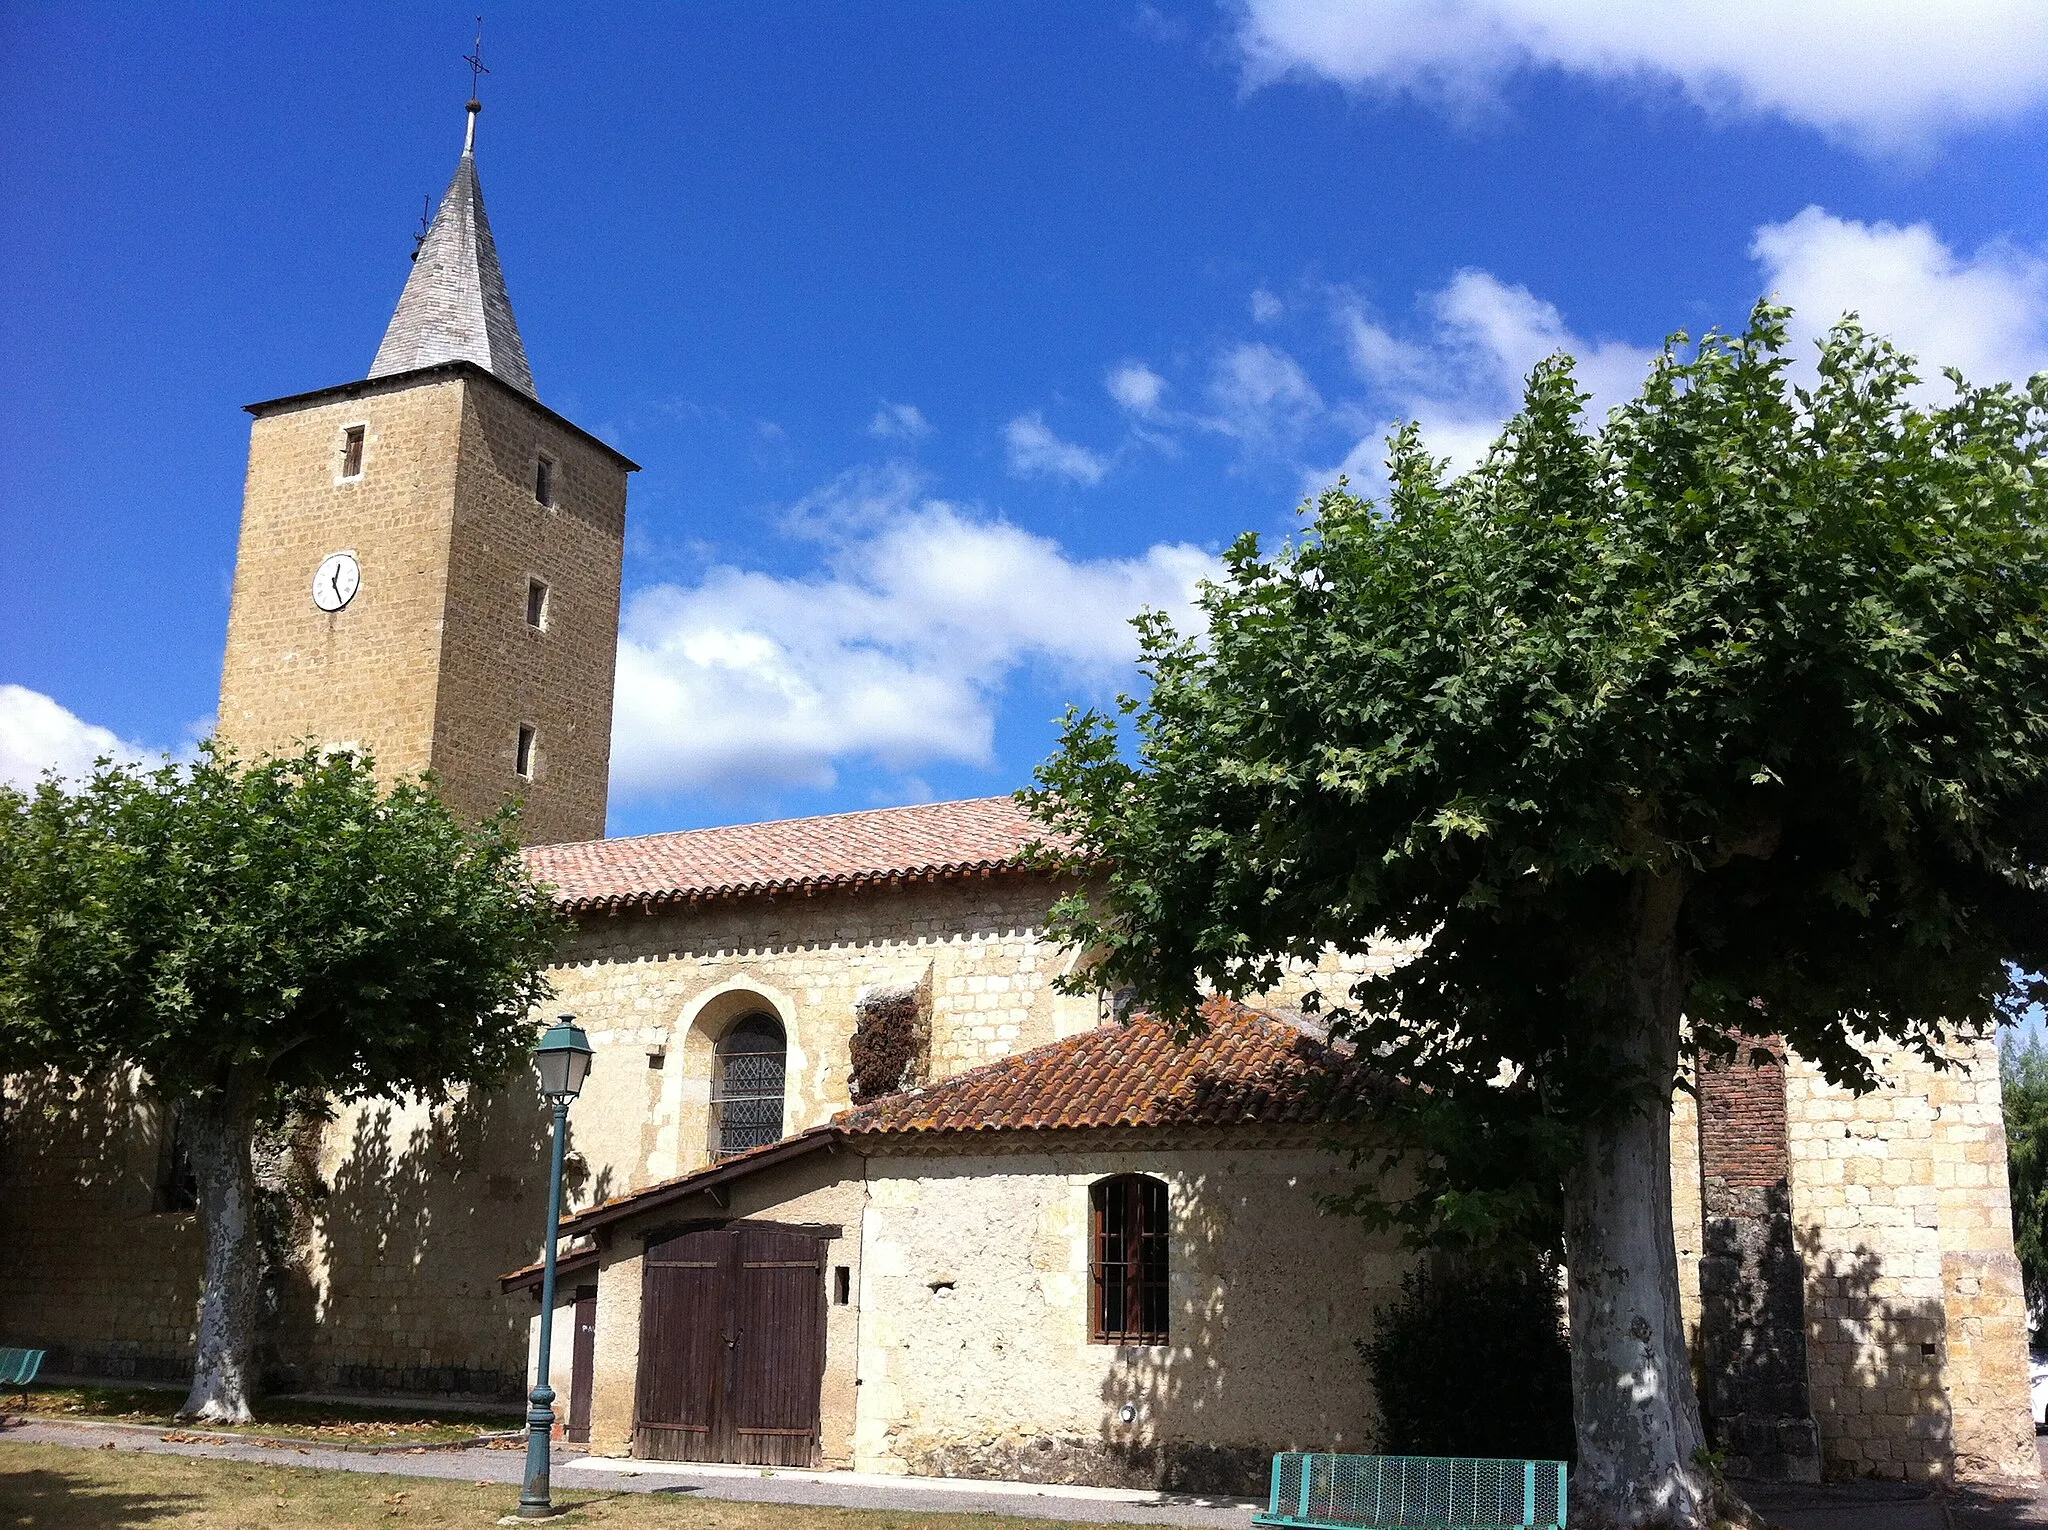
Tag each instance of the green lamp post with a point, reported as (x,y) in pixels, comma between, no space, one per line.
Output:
(563,1061)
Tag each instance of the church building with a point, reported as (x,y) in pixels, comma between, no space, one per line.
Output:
(851,1183)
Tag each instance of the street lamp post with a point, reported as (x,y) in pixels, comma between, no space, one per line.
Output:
(563,1061)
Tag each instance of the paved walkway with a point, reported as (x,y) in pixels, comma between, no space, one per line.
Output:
(1846,1506)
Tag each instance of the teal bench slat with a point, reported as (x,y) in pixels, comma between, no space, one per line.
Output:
(1319,1491)
(18,1369)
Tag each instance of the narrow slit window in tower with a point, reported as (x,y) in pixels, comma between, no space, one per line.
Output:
(537,604)
(352,452)
(544,480)
(523,763)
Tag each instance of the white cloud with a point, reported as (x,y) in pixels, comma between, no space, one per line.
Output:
(1266,307)
(896,651)
(37,734)
(1035,452)
(1261,396)
(901,422)
(1465,376)
(1888,75)
(1137,388)
(1986,314)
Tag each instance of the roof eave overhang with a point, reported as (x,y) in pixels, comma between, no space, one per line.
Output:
(530,1278)
(658,900)
(818,1139)
(463,367)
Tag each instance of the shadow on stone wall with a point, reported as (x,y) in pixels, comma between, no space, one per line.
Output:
(1183,1395)
(425,1210)
(93,1273)
(1874,1357)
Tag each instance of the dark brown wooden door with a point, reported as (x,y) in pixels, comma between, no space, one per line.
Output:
(583,1356)
(732,1346)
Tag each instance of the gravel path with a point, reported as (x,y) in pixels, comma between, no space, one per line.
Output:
(573,1474)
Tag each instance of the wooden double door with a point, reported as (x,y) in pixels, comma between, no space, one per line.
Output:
(732,1345)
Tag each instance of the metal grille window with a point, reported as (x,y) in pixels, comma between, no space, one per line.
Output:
(746,1087)
(1127,1260)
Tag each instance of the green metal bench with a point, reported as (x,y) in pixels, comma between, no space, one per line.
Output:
(18,1369)
(1329,1492)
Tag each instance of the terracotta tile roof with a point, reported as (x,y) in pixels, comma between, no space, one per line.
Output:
(1249,1069)
(935,840)
(1246,1069)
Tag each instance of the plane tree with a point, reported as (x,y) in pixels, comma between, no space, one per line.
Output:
(243,935)
(1722,717)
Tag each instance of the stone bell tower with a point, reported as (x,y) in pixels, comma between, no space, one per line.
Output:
(430,558)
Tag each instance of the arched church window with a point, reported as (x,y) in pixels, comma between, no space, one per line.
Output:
(1127,1260)
(746,1086)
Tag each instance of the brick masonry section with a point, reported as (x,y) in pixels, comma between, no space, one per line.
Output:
(1742,1119)
(1752,1282)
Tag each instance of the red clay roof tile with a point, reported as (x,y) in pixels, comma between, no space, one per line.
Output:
(1246,1069)
(932,840)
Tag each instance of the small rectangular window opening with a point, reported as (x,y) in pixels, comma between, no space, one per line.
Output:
(544,480)
(842,1285)
(523,762)
(352,452)
(537,604)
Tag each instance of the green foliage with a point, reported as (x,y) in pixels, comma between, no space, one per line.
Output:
(1782,650)
(1474,1362)
(2025,1072)
(265,930)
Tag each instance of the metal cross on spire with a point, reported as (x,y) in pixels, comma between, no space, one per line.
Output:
(475,60)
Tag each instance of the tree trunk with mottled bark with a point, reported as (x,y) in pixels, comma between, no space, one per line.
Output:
(217,1135)
(1638,1416)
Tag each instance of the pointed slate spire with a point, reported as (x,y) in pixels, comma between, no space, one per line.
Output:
(454,307)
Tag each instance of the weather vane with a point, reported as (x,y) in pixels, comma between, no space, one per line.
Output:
(475,61)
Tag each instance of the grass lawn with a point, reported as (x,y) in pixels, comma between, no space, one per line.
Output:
(327,1423)
(53,1487)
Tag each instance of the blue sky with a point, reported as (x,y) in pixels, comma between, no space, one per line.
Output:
(947,335)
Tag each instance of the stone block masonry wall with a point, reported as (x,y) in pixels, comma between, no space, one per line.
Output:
(655,993)
(365,675)
(1916,1329)
(92,1271)
(432,664)
(495,670)
(424,1209)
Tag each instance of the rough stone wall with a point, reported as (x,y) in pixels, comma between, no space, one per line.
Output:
(1916,1328)
(656,991)
(975,1359)
(424,1208)
(92,1271)
(431,664)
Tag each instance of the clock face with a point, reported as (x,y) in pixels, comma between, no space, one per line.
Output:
(336,582)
